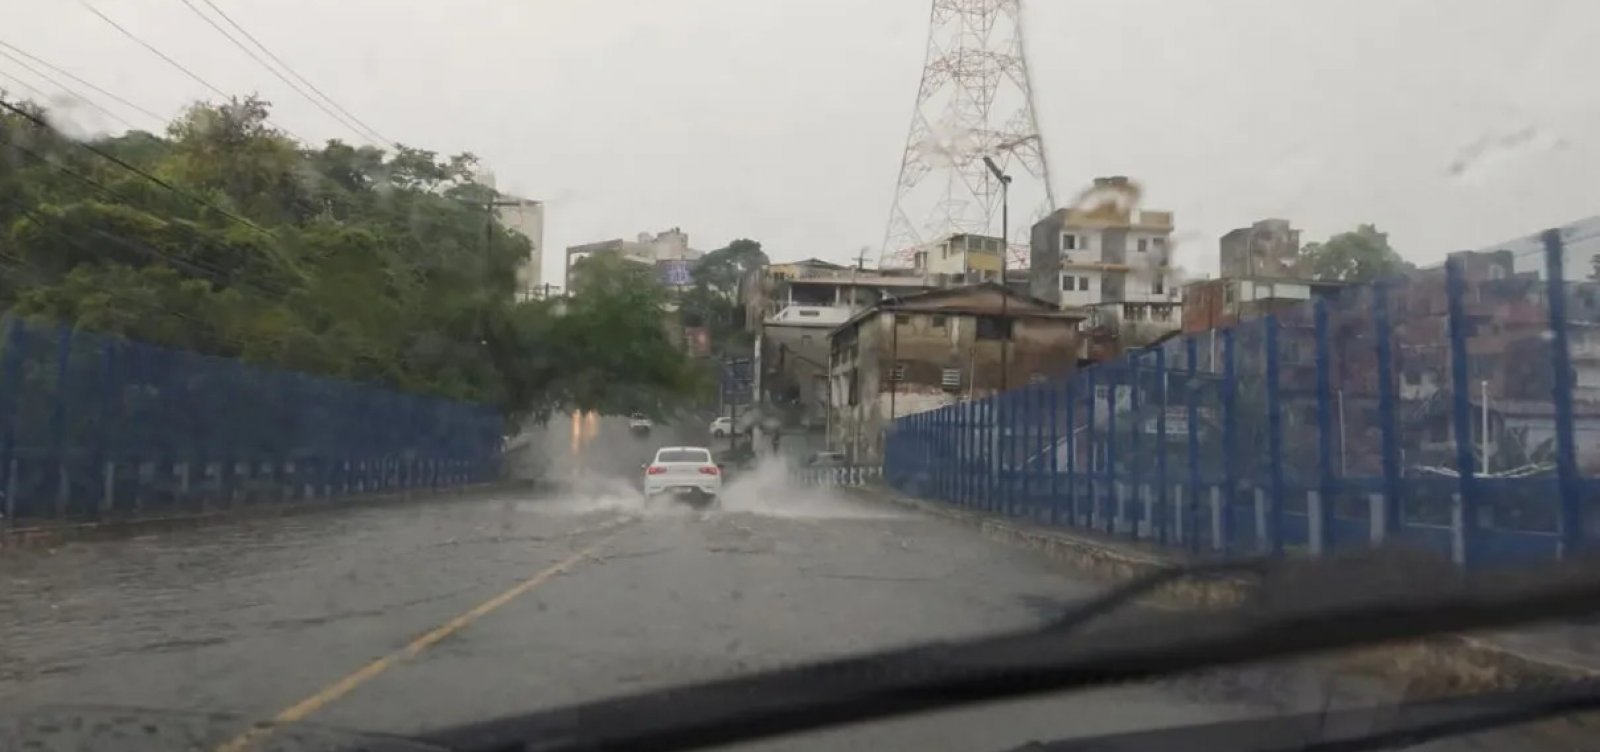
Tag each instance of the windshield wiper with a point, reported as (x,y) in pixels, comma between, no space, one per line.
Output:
(1291,616)
(1351,730)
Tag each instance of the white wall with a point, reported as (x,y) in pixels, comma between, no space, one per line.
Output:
(1090,250)
(527,217)
(809,314)
(1077,297)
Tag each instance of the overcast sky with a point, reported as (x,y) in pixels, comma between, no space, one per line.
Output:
(1448,123)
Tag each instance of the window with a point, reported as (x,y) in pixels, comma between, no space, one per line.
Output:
(950,378)
(683,455)
(937,322)
(1132,312)
(1083,283)
(1158,286)
(901,319)
(993,327)
(810,314)
(1143,245)
(1069,242)
(1227,293)
(1161,313)
(1069,283)
(898,373)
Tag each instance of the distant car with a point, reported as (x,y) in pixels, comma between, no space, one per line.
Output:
(687,473)
(826,459)
(640,423)
(721,427)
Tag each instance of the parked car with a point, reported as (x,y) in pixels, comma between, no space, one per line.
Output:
(684,473)
(826,459)
(722,427)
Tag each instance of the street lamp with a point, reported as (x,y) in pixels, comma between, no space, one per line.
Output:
(1005,254)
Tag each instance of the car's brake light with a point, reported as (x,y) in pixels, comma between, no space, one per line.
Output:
(709,470)
(655,470)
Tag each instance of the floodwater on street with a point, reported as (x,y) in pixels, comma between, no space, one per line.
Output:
(612,596)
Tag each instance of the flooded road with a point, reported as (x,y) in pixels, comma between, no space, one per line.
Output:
(409,617)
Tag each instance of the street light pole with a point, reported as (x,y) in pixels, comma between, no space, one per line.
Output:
(1005,255)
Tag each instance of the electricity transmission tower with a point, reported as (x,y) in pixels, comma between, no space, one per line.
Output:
(975,100)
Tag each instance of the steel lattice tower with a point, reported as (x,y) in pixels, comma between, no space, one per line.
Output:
(975,100)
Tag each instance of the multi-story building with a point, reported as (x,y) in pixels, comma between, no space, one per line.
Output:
(526,216)
(1113,261)
(667,251)
(794,307)
(1267,248)
(961,259)
(908,355)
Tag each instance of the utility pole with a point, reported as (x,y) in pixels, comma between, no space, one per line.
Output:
(1005,253)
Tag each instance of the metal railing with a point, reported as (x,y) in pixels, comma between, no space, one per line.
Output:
(853,475)
(1455,408)
(95,426)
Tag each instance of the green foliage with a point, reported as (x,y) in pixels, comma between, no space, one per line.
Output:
(340,260)
(1360,256)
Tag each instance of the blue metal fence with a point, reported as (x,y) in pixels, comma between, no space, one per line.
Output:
(93,426)
(1456,408)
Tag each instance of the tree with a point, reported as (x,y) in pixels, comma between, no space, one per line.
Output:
(1363,255)
(335,260)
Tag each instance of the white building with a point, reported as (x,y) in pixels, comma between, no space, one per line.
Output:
(1112,261)
(526,216)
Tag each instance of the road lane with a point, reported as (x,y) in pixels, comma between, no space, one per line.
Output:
(262,616)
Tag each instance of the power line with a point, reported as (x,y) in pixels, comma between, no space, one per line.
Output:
(191,74)
(272,70)
(36,90)
(370,131)
(158,53)
(68,90)
(36,120)
(217,274)
(71,75)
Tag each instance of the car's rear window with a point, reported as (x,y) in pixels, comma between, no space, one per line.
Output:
(683,455)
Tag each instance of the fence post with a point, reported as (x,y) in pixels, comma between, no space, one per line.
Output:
(1051,488)
(1274,440)
(1005,412)
(1561,392)
(1223,527)
(1464,513)
(1071,447)
(58,420)
(16,343)
(1163,510)
(1114,501)
(110,392)
(1133,491)
(1091,487)
(1322,534)
(1392,483)
(1191,509)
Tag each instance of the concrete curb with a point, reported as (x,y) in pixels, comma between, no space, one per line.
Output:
(43,536)
(1431,667)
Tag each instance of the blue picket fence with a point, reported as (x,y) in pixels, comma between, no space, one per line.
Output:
(95,426)
(1455,408)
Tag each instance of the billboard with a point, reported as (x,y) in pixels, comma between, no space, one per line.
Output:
(674,273)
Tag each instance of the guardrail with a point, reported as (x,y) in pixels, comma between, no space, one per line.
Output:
(95,426)
(1455,408)
(856,475)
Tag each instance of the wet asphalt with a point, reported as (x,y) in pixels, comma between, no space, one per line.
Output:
(256,616)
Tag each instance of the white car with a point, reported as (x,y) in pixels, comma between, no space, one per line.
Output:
(640,423)
(684,472)
(721,427)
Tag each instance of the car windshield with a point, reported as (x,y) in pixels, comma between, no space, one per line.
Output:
(683,455)
(392,367)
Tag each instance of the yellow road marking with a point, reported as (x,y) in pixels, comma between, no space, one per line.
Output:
(303,709)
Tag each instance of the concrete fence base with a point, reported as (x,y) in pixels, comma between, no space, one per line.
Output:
(1430,667)
(50,534)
